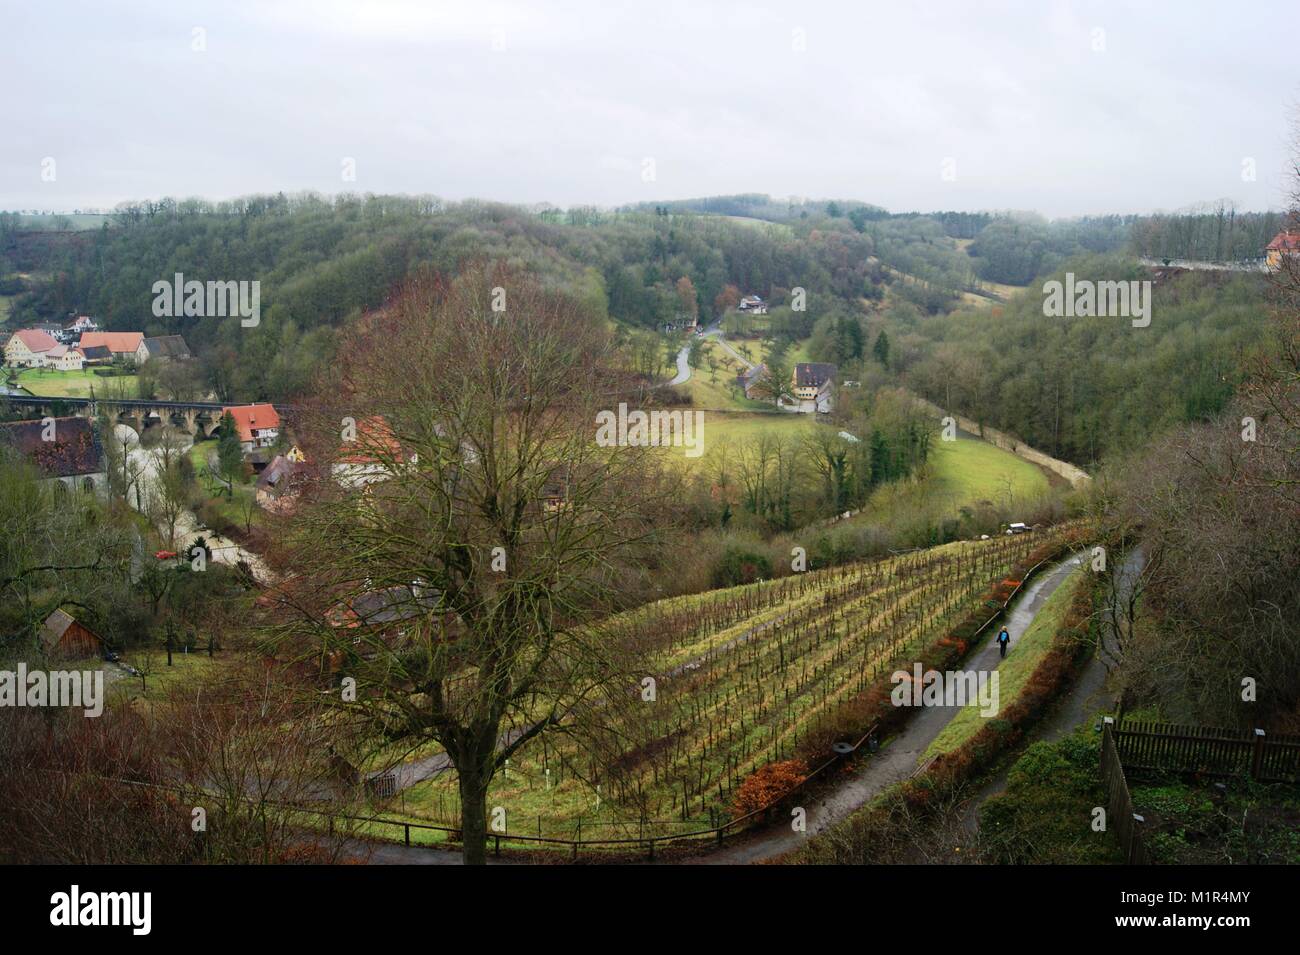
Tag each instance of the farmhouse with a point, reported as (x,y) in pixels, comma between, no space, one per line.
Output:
(753,305)
(813,384)
(164,346)
(122,345)
(73,457)
(385,615)
(63,358)
(67,637)
(258,425)
(82,323)
(27,347)
(1285,245)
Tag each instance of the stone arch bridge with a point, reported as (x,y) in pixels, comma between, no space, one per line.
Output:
(199,418)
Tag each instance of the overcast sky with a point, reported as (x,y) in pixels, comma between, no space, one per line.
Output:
(1067,108)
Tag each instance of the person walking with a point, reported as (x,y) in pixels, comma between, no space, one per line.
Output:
(1004,639)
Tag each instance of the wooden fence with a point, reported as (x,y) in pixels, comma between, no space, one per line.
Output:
(1120,815)
(1210,750)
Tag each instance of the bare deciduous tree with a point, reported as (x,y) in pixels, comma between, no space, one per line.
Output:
(455,555)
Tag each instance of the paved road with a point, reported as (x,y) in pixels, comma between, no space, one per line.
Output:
(1087,697)
(683,366)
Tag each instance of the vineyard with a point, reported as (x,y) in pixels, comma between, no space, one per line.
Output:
(742,677)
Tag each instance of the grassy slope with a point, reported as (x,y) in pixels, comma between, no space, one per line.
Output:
(1044,816)
(1015,670)
(732,429)
(959,473)
(972,470)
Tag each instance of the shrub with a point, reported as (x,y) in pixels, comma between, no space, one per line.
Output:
(767,784)
(211,516)
(741,566)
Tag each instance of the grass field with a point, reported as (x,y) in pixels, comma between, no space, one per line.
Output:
(75,384)
(730,430)
(726,433)
(960,473)
(742,676)
(122,688)
(969,470)
(1015,670)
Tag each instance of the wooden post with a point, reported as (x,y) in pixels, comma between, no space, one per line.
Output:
(1257,757)
(407,833)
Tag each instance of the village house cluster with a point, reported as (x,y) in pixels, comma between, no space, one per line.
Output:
(81,343)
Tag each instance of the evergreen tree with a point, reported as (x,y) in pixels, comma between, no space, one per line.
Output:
(881,349)
(229,453)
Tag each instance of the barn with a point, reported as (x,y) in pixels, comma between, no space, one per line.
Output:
(65,637)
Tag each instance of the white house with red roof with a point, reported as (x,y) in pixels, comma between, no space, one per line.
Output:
(368,455)
(63,358)
(27,347)
(82,323)
(258,425)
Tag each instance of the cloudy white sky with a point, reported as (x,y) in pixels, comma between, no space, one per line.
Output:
(1068,108)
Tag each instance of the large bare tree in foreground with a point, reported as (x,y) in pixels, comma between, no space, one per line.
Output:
(465,531)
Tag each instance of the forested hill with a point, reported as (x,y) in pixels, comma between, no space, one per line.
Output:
(1006,247)
(1078,388)
(320,261)
(1083,388)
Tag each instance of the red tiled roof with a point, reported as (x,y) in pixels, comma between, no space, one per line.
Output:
(75,451)
(35,339)
(250,417)
(374,442)
(1288,241)
(117,342)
